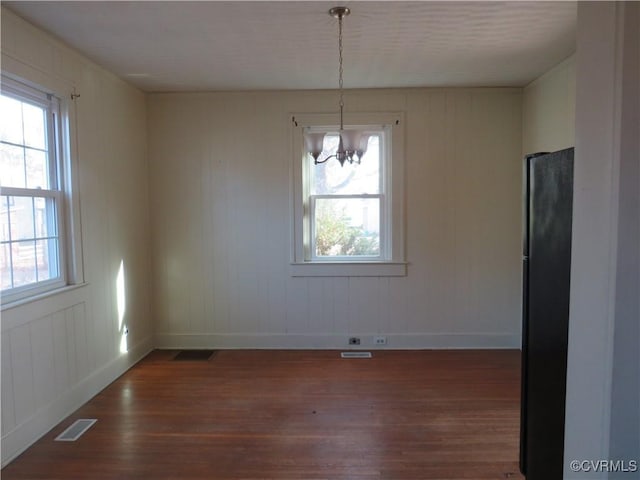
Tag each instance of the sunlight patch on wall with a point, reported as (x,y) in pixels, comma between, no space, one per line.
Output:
(121,302)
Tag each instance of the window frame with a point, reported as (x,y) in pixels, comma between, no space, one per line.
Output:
(56,100)
(391,262)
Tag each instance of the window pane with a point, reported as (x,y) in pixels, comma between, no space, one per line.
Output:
(47,256)
(349,179)
(347,227)
(45,217)
(11,166)
(4,219)
(10,120)
(21,218)
(36,168)
(34,126)
(24,263)
(5,266)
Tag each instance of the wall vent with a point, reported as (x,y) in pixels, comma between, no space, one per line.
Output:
(76,430)
(355,354)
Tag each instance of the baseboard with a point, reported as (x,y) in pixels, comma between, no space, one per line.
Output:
(329,342)
(24,435)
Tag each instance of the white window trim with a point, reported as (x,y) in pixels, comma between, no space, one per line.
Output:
(302,264)
(67,197)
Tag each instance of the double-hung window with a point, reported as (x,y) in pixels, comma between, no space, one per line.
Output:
(349,218)
(347,204)
(32,200)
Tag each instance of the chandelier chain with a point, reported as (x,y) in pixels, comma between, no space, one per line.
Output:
(340,70)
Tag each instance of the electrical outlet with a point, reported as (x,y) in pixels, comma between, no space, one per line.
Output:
(380,340)
(354,341)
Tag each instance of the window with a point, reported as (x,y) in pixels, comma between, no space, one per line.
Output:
(346,204)
(348,219)
(33,242)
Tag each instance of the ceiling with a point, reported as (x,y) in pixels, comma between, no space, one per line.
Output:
(190,46)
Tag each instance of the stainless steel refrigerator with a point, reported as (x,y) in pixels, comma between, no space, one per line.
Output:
(547,212)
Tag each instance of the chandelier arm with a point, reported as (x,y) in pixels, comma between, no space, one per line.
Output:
(318,162)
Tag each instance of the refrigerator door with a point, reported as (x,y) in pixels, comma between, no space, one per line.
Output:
(547,268)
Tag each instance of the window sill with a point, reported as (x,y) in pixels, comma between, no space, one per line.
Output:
(41,296)
(348,269)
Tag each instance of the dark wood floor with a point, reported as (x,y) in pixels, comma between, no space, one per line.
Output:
(296,415)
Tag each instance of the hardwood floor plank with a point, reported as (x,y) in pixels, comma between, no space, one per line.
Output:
(296,415)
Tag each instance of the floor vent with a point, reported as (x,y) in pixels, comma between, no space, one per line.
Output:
(194,355)
(76,430)
(355,354)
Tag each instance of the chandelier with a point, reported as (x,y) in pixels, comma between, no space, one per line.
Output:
(353,143)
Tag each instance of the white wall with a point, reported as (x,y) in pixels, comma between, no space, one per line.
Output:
(221,224)
(603,372)
(59,351)
(548,110)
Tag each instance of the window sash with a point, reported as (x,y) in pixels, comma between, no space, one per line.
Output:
(51,105)
(381,133)
(348,258)
(55,223)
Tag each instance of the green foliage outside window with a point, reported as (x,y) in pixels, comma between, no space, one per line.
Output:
(335,236)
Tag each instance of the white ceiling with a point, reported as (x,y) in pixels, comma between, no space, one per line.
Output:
(180,46)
